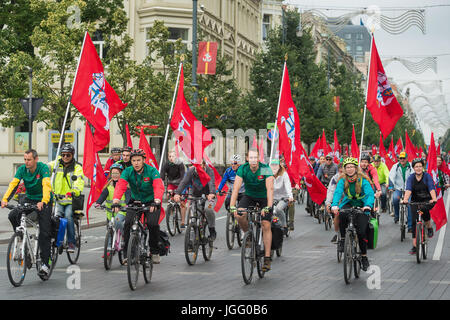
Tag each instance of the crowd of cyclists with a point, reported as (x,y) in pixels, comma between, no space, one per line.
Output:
(270,187)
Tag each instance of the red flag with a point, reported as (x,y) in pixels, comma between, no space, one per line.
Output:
(438,213)
(143,144)
(438,151)
(409,148)
(315,188)
(255,143)
(398,146)
(326,147)
(261,151)
(317,150)
(288,124)
(93,96)
(354,148)
(390,158)
(381,102)
(207,56)
(381,148)
(129,142)
(336,153)
(217,180)
(92,169)
(374,150)
(192,136)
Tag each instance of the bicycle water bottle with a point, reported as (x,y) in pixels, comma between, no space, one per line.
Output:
(61,231)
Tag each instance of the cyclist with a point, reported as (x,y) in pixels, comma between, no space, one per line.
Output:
(315,165)
(146,186)
(282,188)
(64,188)
(383,179)
(108,194)
(330,192)
(398,176)
(355,187)
(229,177)
(126,157)
(116,155)
(174,170)
(327,170)
(444,178)
(420,187)
(36,177)
(258,180)
(198,190)
(372,173)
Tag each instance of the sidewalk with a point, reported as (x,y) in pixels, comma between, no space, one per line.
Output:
(96,218)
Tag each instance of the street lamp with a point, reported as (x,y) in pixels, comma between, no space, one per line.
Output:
(30,106)
(194,52)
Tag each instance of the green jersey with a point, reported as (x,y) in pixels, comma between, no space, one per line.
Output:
(141,185)
(33,181)
(255,182)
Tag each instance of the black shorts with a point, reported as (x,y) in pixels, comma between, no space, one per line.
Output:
(248,201)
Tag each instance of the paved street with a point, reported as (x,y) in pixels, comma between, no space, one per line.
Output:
(308,269)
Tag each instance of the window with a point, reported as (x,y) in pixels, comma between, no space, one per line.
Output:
(99,44)
(349,48)
(348,36)
(359,36)
(359,48)
(174,35)
(265,26)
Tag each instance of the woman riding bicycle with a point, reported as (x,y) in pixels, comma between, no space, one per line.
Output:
(281,189)
(420,187)
(358,193)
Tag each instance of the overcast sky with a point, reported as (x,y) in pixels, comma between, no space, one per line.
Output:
(435,42)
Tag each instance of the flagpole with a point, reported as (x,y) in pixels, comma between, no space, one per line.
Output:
(365,101)
(278,110)
(170,117)
(67,110)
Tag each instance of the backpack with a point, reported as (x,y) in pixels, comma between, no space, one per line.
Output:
(163,243)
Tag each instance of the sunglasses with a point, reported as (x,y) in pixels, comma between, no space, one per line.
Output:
(66,155)
(235,163)
(402,158)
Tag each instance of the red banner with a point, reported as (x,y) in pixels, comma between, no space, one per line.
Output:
(207,57)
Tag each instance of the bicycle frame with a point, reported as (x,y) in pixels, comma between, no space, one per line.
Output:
(26,236)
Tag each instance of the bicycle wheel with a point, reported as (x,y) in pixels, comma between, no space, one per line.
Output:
(133,263)
(247,257)
(419,242)
(356,259)
(178,218)
(330,221)
(325,221)
(424,248)
(108,249)
(238,231)
(229,231)
(348,258)
(259,257)
(16,264)
(402,225)
(171,220)
(147,268)
(207,245)
(73,257)
(191,243)
(338,253)
(53,258)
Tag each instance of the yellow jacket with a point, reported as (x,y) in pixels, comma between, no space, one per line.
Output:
(63,183)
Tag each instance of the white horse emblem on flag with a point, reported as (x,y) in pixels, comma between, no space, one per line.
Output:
(290,130)
(98,96)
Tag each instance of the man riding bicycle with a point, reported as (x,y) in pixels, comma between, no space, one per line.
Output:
(383,179)
(258,179)
(147,188)
(358,193)
(327,170)
(126,157)
(229,177)
(174,171)
(64,188)
(198,190)
(36,177)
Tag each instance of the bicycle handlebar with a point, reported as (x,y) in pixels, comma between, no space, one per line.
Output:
(25,206)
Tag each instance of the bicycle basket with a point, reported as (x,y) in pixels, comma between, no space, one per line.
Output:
(164,243)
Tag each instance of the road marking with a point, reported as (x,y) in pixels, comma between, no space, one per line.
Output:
(96,249)
(446,282)
(395,280)
(440,243)
(197,273)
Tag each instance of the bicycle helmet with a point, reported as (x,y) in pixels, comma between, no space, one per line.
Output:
(137,152)
(235,158)
(68,148)
(376,157)
(350,161)
(116,150)
(127,149)
(416,161)
(365,156)
(116,166)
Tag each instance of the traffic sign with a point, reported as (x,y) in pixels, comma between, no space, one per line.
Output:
(36,106)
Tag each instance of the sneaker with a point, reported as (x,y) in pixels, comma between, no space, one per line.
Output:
(156,259)
(392,214)
(409,230)
(365,263)
(71,248)
(44,270)
(430,233)
(395,220)
(334,239)
(413,250)
(212,234)
(267,264)
(182,226)
(291,226)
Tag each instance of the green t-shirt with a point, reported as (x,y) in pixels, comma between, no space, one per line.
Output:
(255,183)
(33,181)
(141,185)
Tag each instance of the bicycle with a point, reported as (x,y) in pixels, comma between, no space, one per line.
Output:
(285,229)
(197,232)
(301,194)
(22,254)
(403,218)
(138,253)
(252,252)
(352,253)
(113,243)
(73,256)
(389,203)
(421,235)
(173,214)
(232,229)
(377,209)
